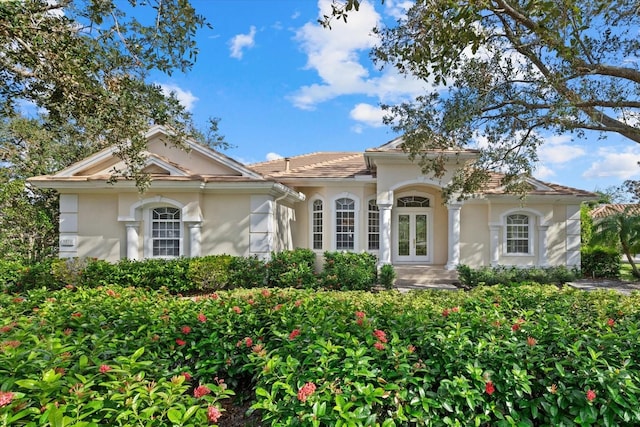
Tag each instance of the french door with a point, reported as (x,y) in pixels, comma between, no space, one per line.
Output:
(412,237)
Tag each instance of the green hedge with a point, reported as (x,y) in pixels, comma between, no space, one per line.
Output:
(502,275)
(286,269)
(600,261)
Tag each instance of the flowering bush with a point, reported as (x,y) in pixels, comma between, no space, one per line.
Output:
(515,355)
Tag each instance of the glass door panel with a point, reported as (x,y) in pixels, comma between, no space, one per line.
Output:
(421,235)
(404,235)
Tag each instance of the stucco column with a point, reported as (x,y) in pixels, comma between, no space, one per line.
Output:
(494,244)
(385,234)
(454,236)
(132,239)
(195,236)
(542,245)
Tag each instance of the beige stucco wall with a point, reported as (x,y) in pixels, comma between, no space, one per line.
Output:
(193,160)
(99,233)
(474,234)
(225,228)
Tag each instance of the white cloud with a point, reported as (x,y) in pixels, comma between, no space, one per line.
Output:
(238,43)
(273,156)
(557,150)
(398,8)
(340,57)
(368,114)
(615,163)
(543,172)
(186,98)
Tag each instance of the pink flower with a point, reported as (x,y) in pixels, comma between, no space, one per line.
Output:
(360,314)
(180,342)
(379,346)
(489,388)
(187,376)
(111,292)
(531,341)
(456,309)
(294,334)
(445,312)
(104,369)
(248,341)
(297,303)
(76,314)
(201,390)
(67,331)
(266,293)
(515,327)
(237,309)
(591,395)
(213,414)
(186,330)
(5,398)
(214,296)
(202,318)
(411,348)
(277,307)
(251,301)
(305,391)
(380,335)
(611,322)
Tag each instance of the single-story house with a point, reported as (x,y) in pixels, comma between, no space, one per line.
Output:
(608,209)
(201,202)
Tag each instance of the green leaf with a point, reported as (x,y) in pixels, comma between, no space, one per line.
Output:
(28,384)
(189,413)
(175,416)
(137,354)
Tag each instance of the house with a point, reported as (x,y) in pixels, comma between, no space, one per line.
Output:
(608,209)
(201,202)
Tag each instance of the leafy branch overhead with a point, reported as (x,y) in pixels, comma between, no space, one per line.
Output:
(82,66)
(507,72)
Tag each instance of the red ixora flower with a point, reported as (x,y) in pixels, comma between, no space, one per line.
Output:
(201,390)
(531,341)
(104,369)
(591,395)
(611,322)
(76,314)
(294,334)
(180,342)
(5,398)
(213,414)
(360,314)
(202,318)
(380,335)
(489,388)
(265,293)
(186,330)
(305,391)
(515,327)
(445,312)
(187,376)
(237,309)
(379,346)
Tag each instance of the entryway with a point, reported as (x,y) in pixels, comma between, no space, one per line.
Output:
(413,236)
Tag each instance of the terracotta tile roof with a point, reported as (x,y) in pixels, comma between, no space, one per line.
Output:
(314,165)
(538,187)
(605,210)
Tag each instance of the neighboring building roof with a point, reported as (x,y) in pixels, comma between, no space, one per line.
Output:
(538,187)
(606,210)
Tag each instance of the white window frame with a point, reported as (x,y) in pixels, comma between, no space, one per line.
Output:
(530,233)
(148,235)
(356,219)
(376,225)
(312,224)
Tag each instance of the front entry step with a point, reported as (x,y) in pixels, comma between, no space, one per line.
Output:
(410,277)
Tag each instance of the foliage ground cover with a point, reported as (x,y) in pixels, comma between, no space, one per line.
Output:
(517,355)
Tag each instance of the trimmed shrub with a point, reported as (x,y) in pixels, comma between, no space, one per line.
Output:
(600,261)
(349,271)
(387,276)
(209,273)
(503,275)
(10,275)
(247,272)
(292,269)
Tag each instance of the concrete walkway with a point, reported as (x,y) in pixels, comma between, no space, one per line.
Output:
(624,288)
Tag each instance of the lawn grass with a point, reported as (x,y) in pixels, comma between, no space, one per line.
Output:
(625,272)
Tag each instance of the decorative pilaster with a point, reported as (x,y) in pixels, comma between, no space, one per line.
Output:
(542,246)
(195,237)
(454,236)
(133,241)
(385,234)
(494,244)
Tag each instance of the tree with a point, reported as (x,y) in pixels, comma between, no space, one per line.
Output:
(624,229)
(508,72)
(83,64)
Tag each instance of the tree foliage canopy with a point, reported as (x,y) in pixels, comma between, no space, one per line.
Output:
(83,64)
(509,72)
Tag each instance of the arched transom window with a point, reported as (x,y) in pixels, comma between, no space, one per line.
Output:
(413,202)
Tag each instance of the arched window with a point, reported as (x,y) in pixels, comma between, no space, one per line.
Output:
(518,234)
(166,232)
(373,216)
(413,202)
(345,224)
(317,224)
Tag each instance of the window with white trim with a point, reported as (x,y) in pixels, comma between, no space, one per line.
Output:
(345,224)
(373,217)
(518,234)
(317,224)
(166,232)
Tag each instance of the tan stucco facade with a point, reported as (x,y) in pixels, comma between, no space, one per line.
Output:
(201,202)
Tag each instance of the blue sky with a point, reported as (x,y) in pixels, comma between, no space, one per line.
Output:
(283,86)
